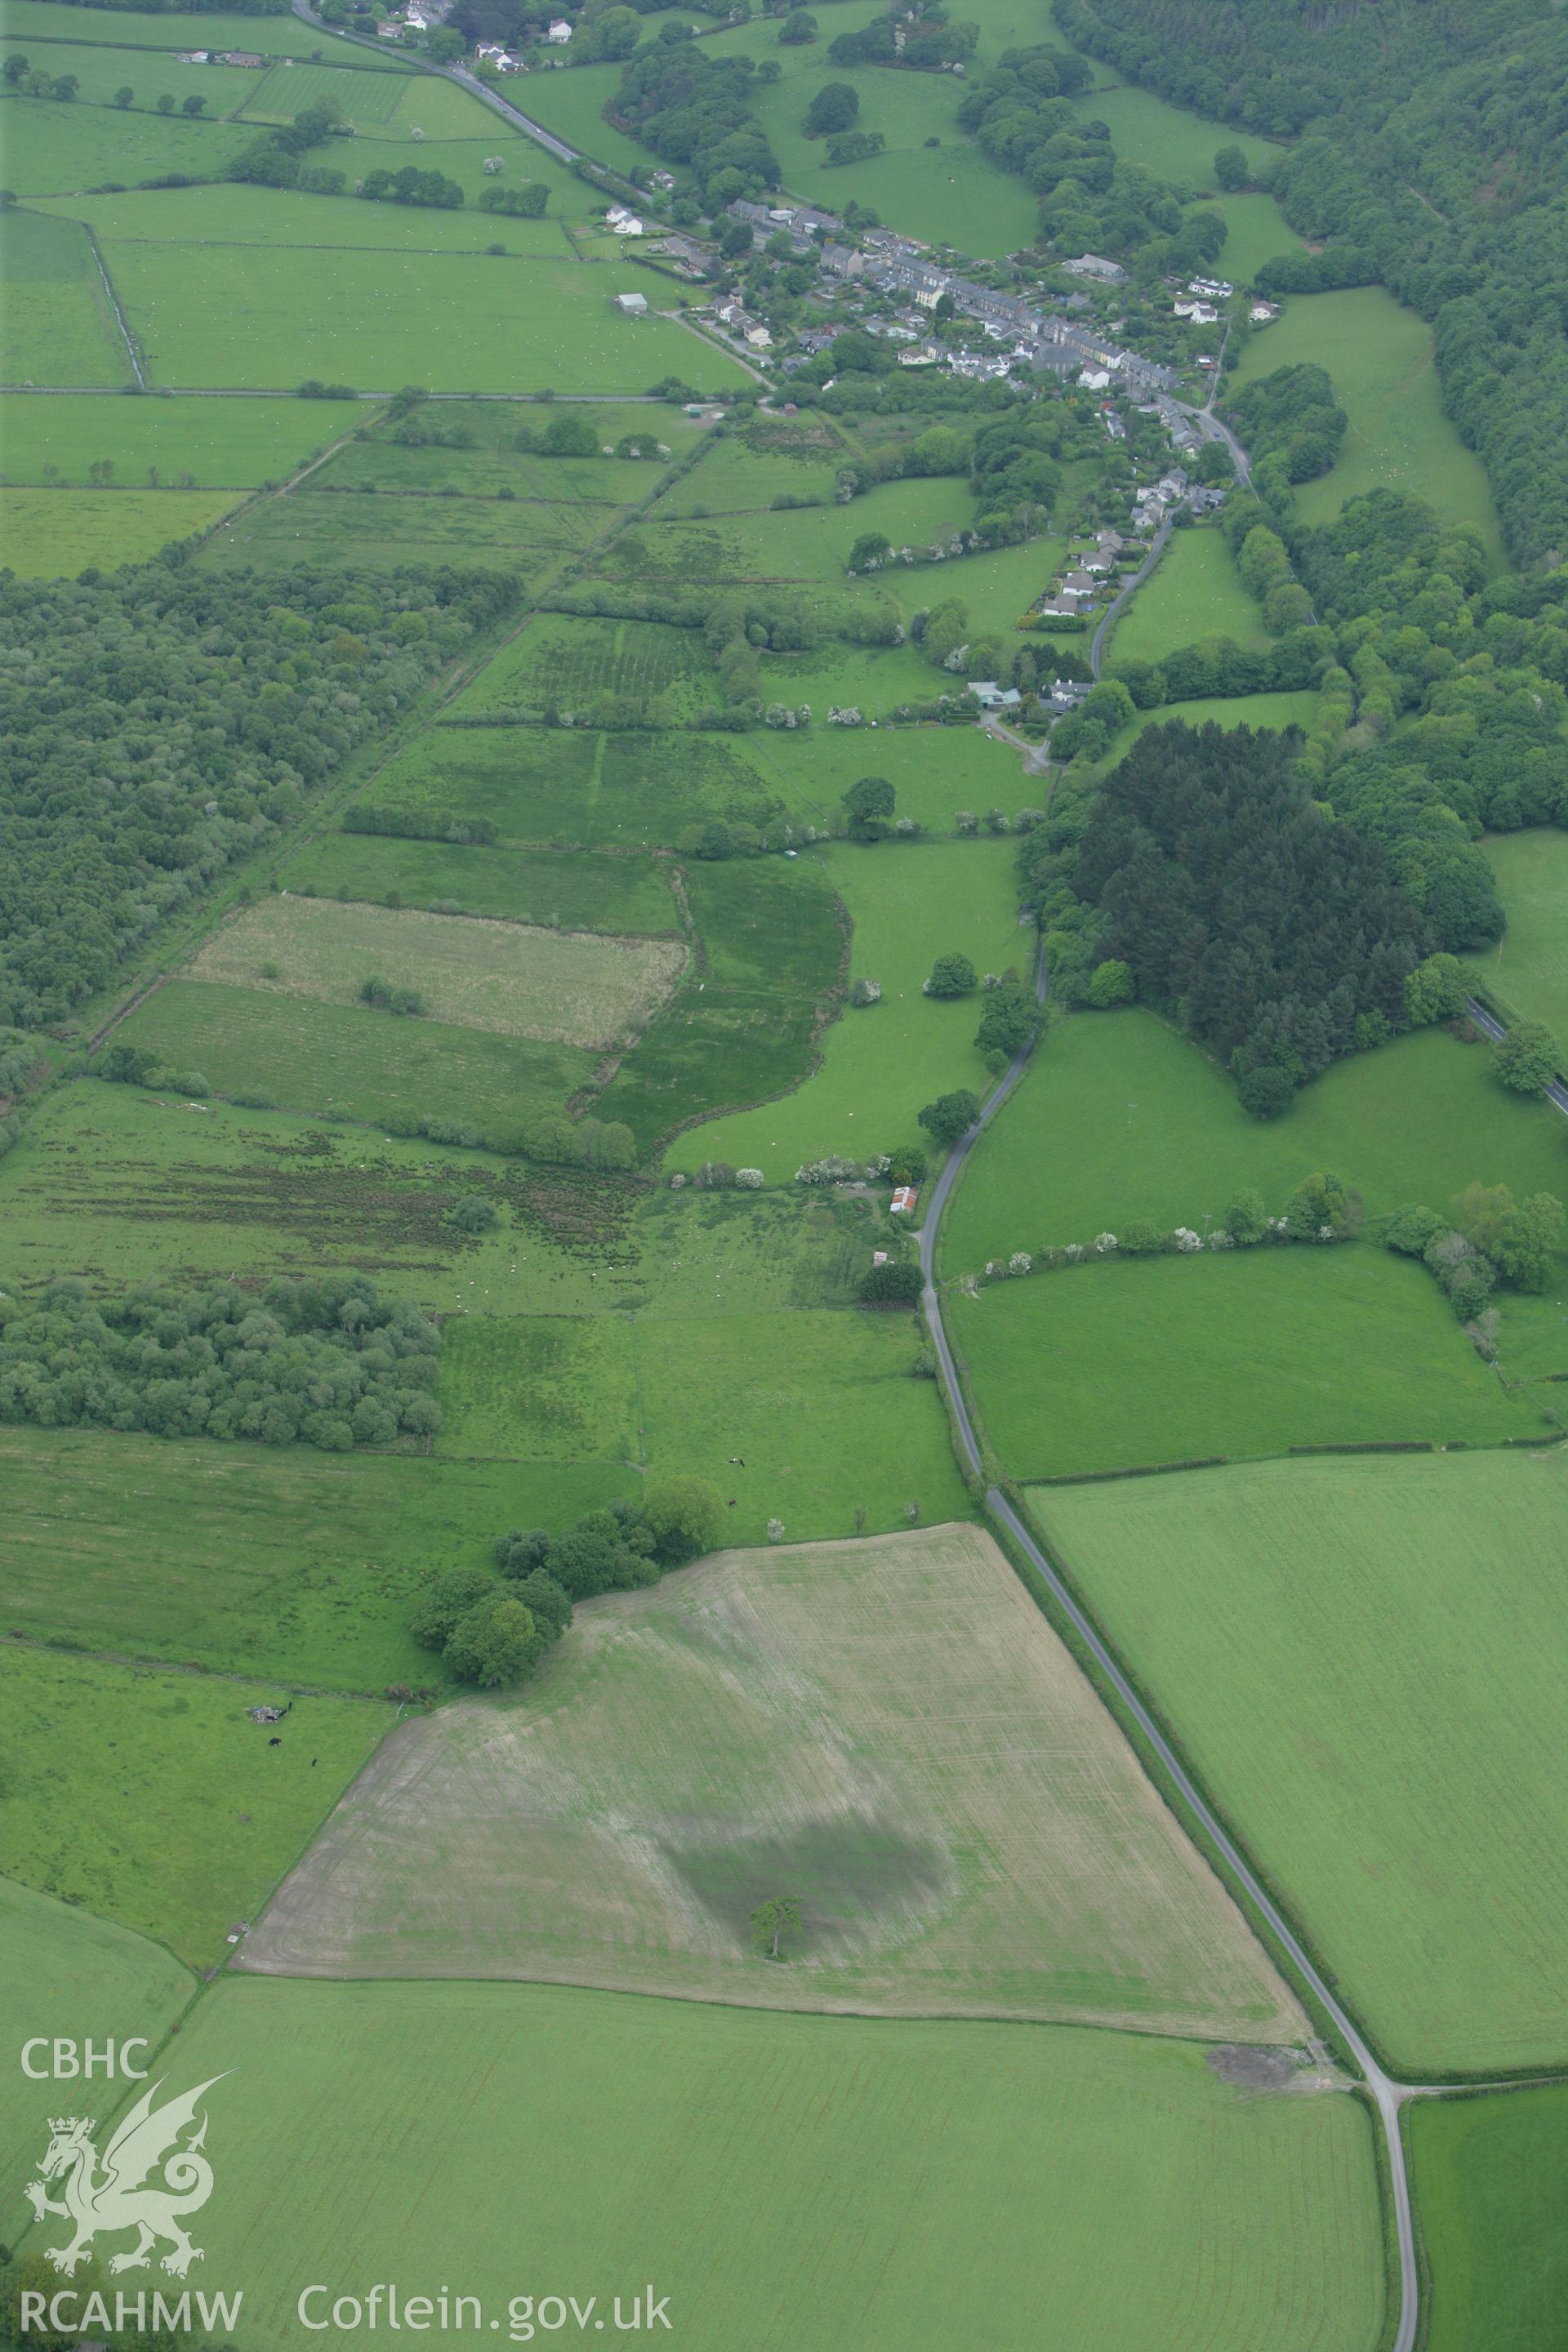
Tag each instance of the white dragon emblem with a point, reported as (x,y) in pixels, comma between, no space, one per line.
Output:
(118,2196)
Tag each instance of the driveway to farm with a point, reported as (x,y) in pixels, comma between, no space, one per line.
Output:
(1388,2095)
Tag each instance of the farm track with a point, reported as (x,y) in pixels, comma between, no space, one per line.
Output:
(1387,2096)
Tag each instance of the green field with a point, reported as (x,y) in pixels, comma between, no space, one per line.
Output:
(569,103)
(1485,2176)
(102,72)
(1364,1661)
(316,527)
(805,543)
(55,150)
(222,443)
(1255,231)
(908,904)
(291,1564)
(1194,591)
(1157,1132)
(150,1795)
(1529,966)
(236,214)
(560,662)
(939,1871)
(1180,146)
(742,1027)
(274,317)
(57,326)
(360,1064)
(1105,1367)
(1380,357)
(64,1973)
(578,891)
(936,773)
(747,469)
(368,100)
(280,37)
(47,533)
(1056,2166)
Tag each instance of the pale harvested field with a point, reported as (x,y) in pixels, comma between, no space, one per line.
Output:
(887,1730)
(574,988)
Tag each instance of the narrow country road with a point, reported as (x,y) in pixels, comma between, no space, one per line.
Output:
(1388,2095)
(1102,626)
(1556,1093)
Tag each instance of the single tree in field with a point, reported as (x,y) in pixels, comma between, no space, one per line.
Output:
(1230,169)
(125,96)
(166,104)
(192,106)
(15,71)
(868,804)
(951,975)
(770,1920)
(833,108)
(950,1116)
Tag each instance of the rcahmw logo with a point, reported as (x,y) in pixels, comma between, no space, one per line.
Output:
(152,2176)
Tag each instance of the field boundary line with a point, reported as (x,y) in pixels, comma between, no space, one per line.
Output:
(118,316)
(74,1649)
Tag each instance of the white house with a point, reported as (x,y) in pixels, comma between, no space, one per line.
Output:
(560,31)
(624,223)
(759,337)
(1094,379)
(1261,312)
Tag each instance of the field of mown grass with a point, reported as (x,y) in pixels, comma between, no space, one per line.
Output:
(293,1564)
(1111,1365)
(272,318)
(151,1798)
(1085,2178)
(570,103)
(746,470)
(1121,1117)
(936,773)
(1255,231)
(51,534)
(346,1058)
(58,328)
(223,444)
(572,890)
(909,903)
(891,1727)
(63,1972)
(516,980)
(1364,1661)
(1529,966)
(1380,357)
(1486,2174)
(1194,591)
(1169,140)
(803,543)
(368,100)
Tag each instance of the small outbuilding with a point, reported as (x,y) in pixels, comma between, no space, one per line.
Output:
(634,306)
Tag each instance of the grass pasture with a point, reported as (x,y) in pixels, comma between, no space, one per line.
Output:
(803,543)
(1169,140)
(274,317)
(907,904)
(238,213)
(1255,231)
(1363,1660)
(1529,966)
(53,150)
(891,1727)
(64,1973)
(1057,2165)
(1484,2170)
(47,534)
(103,71)
(936,771)
(581,890)
(56,20)
(222,443)
(350,1060)
(368,100)
(318,527)
(1111,1366)
(58,328)
(541,1386)
(517,980)
(150,1797)
(1380,357)
(1157,1132)
(295,1565)
(1193,591)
